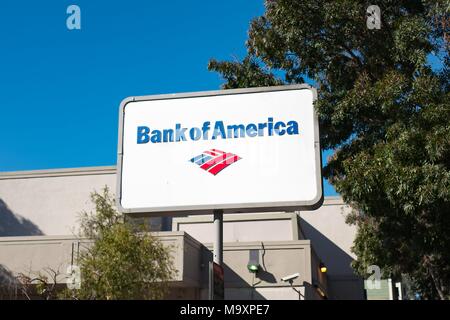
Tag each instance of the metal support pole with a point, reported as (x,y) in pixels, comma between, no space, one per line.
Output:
(218,237)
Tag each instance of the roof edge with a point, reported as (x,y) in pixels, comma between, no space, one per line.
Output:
(58,172)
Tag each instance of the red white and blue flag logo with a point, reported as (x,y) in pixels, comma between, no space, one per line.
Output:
(215,160)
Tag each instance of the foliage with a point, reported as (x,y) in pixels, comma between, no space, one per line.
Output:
(42,285)
(385,112)
(120,263)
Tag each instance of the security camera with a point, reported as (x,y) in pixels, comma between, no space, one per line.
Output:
(290,277)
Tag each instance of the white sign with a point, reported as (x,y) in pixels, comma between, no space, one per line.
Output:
(238,150)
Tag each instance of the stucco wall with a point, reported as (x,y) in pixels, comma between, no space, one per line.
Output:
(31,255)
(48,202)
(332,240)
(241,227)
(330,236)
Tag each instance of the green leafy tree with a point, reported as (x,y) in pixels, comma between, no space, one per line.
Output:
(121,262)
(385,112)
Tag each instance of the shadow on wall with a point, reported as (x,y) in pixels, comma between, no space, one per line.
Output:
(337,260)
(8,284)
(343,283)
(13,225)
(6,276)
(236,288)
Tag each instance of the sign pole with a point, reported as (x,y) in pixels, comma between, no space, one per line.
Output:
(216,275)
(218,237)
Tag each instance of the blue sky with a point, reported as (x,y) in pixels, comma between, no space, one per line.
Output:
(60,89)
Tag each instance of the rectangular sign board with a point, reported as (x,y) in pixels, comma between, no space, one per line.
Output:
(240,150)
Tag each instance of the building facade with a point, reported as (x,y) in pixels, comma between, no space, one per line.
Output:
(39,213)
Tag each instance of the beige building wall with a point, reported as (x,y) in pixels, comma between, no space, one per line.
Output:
(277,226)
(332,240)
(47,254)
(277,260)
(330,236)
(54,254)
(48,202)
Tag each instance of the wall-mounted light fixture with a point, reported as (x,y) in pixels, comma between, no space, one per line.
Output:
(323,268)
(253,263)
